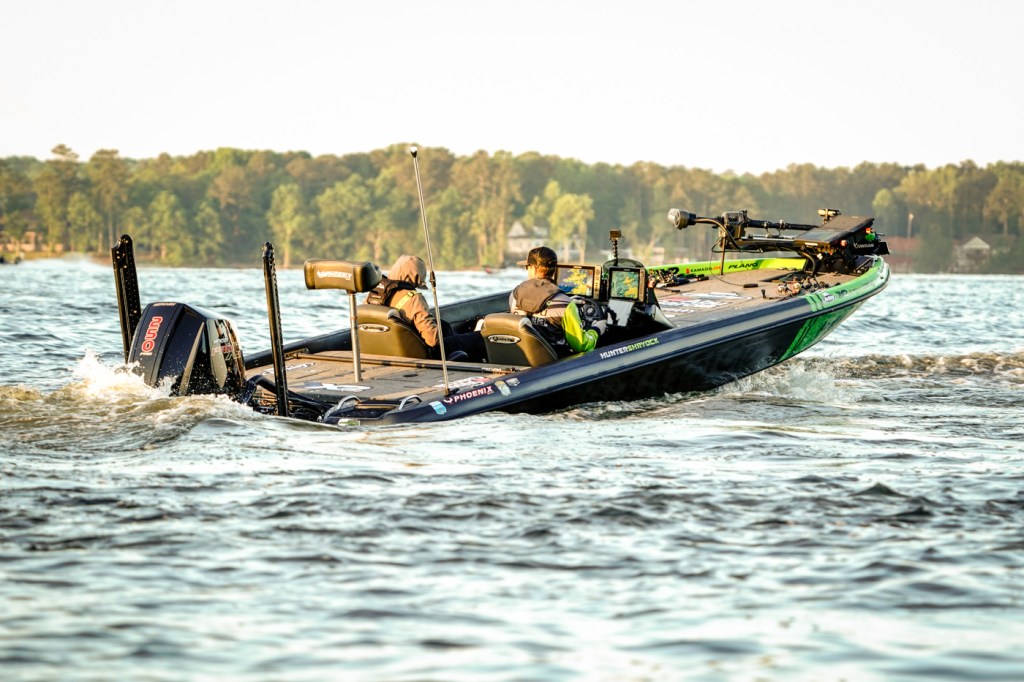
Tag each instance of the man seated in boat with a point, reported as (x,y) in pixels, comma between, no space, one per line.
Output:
(400,290)
(553,313)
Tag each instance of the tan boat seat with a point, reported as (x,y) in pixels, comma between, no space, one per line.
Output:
(382,331)
(511,340)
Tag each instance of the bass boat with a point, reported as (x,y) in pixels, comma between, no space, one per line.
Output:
(776,289)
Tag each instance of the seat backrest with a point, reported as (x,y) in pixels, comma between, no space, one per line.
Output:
(382,331)
(350,276)
(511,340)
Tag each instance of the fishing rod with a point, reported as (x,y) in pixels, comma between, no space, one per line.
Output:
(430,264)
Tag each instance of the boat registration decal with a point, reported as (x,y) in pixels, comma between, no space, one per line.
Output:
(468,395)
(438,407)
(630,348)
(503,387)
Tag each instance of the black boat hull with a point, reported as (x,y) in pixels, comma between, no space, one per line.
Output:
(699,369)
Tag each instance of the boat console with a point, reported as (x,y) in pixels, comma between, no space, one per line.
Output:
(617,291)
(578,280)
(626,289)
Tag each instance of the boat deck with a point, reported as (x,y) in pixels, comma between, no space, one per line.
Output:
(330,376)
(715,297)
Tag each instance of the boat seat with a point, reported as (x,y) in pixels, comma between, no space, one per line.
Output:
(383,331)
(511,340)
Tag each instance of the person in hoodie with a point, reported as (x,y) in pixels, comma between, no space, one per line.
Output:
(553,313)
(400,290)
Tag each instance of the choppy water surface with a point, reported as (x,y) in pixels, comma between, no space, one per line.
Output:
(857,513)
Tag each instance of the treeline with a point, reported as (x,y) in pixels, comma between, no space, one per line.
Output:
(218,207)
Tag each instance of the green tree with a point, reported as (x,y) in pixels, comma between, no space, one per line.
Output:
(931,194)
(288,218)
(973,185)
(209,241)
(697,190)
(448,221)
(110,176)
(53,188)
(135,223)
(341,210)
(1010,261)
(167,222)
(569,218)
(234,195)
(935,253)
(538,213)
(16,201)
(391,227)
(489,188)
(1005,203)
(888,211)
(85,224)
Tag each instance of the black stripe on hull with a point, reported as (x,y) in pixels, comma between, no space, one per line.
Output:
(700,369)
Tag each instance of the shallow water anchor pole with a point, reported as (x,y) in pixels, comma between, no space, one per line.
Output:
(430,264)
(274,313)
(126,283)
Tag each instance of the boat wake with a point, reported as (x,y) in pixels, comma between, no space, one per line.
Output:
(834,381)
(1001,367)
(106,409)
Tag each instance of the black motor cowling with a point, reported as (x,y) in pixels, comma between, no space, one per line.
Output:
(194,349)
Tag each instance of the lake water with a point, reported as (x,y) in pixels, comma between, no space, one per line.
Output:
(856,513)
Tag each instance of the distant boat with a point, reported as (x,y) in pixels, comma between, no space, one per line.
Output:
(674,328)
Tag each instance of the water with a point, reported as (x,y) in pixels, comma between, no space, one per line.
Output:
(857,513)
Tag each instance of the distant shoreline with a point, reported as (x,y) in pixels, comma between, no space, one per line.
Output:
(145,262)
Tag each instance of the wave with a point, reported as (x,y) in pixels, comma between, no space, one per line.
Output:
(108,408)
(993,378)
(105,409)
(1008,367)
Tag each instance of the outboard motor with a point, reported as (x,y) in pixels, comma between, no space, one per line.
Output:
(195,349)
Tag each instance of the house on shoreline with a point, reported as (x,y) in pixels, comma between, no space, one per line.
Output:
(971,255)
(29,243)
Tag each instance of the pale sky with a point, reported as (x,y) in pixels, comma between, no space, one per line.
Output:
(746,85)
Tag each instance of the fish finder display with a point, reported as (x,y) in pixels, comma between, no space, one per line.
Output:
(577,280)
(626,284)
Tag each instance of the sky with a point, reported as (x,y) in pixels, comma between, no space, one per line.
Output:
(727,85)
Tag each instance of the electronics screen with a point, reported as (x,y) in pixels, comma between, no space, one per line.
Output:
(626,284)
(576,280)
